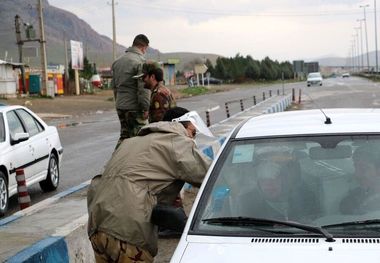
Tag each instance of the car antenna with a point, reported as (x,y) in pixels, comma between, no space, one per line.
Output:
(328,120)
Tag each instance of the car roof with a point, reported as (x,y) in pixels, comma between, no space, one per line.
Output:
(308,122)
(4,108)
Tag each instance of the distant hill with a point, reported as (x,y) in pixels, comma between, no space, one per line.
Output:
(59,23)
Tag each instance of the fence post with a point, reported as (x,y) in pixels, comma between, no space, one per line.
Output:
(270,93)
(293,95)
(208,119)
(227,110)
(263,95)
(254,100)
(241,105)
(22,190)
(299,97)
(278,92)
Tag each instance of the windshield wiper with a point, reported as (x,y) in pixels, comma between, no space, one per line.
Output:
(242,221)
(354,223)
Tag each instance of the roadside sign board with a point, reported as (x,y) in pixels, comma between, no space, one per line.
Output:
(200,69)
(76,54)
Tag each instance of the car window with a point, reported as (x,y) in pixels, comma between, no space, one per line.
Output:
(14,124)
(2,128)
(310,180)
(32,125)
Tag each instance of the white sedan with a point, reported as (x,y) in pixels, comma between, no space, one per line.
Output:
(314,78)
(299,186)
(27,142)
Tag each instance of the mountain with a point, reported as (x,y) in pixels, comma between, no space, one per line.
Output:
(61,24)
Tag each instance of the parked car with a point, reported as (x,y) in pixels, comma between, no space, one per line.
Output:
(346,75)
(314,78)
(284,188)
(27,142)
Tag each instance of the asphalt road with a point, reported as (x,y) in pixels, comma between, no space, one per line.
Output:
(89,142)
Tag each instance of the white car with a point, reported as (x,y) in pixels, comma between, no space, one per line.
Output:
(27,142)
(346,75)
(291,187)
(314,78)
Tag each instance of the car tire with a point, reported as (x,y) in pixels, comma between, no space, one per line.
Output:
(52,179)
(4,195)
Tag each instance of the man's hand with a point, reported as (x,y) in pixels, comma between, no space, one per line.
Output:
(164,91)
(145,115)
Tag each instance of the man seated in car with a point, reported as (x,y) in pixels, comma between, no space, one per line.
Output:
(366,197)
(279,196)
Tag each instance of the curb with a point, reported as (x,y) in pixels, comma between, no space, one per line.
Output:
(67,243)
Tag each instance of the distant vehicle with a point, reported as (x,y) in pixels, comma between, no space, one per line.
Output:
(283,195)
(346,75)
(213,81)
(314,78)
(27,142)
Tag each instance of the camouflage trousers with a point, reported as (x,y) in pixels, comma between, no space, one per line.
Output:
(110,249)
(130,124)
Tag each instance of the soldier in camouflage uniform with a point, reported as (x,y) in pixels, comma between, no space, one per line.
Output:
(131,99)
(161,99)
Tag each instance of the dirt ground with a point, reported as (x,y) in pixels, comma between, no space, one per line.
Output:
(101,100)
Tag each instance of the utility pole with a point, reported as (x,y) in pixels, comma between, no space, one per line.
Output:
(20,43)
(113,31)
(377,63)
(43,48)
(366,35)
(67,71)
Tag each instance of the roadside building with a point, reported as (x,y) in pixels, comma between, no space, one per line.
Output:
(9,79)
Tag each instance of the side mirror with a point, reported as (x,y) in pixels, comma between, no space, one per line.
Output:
(19,137)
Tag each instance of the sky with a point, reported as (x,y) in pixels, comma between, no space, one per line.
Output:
(280,29)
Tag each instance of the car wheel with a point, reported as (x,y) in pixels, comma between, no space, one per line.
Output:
(4,197)
(52,180)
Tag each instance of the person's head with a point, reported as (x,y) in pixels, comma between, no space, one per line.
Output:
(141,42)
(367,166)
(269,180)
(177,112)
(153,74)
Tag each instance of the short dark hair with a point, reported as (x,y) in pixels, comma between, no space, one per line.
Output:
(140,40)
(174,113)
(153,69)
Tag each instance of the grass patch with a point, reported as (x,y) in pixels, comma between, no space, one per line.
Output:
(194,91)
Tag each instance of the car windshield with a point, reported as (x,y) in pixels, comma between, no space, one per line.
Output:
(317,181)
(314,75)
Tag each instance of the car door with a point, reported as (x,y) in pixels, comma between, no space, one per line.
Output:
(20,154)
(38,141)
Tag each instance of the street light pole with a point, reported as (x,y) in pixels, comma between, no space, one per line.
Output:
(366,35)
(361,42)
(358,49)
(377,64)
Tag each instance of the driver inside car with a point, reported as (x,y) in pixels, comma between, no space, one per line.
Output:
(365,197)
(278,195)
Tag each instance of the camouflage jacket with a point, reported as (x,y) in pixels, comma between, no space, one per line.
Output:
(160,102)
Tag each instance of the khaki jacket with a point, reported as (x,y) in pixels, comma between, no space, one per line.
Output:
(144,169)
(129,92)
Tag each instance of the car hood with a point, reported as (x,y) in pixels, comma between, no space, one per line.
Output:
(294,250)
